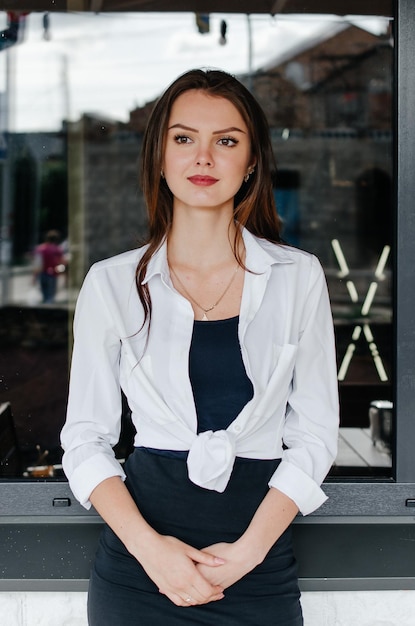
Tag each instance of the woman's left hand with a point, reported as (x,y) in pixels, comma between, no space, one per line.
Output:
(273,516)
(238,562)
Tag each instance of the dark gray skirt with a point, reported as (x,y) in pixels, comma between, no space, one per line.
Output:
(121,593)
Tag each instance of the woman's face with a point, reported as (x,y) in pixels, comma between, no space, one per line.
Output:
(207,152)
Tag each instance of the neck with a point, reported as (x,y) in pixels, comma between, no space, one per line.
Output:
(201,241)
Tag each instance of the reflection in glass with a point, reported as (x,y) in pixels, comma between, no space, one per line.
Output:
(334,192)
(329,103)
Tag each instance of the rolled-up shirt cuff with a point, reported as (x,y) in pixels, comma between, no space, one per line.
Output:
(298,486)
(90,473)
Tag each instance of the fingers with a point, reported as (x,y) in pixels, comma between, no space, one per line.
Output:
(203,592)
(179,601)
(205,558)
(176,575)
(188,600)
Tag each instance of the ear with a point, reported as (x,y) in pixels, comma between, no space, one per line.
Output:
(252,164)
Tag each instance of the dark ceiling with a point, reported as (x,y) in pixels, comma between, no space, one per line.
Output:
(339,7)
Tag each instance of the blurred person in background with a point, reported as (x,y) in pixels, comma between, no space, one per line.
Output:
(49,262)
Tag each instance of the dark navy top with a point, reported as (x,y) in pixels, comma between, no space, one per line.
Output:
(221,387)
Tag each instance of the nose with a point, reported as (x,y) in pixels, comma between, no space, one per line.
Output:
(204,156)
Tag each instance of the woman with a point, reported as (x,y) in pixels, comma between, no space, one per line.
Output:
(221,339)
(49,263)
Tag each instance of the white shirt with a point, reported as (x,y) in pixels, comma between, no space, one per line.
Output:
(286,338)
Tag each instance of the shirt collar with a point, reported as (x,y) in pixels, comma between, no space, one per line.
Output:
(260,255)
(158,264)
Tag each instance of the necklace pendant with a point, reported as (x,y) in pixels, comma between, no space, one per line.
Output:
(205,318)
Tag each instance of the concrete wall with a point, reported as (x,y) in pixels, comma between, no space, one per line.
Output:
(363,608)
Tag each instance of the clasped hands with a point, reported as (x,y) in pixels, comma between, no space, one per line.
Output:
(188,576)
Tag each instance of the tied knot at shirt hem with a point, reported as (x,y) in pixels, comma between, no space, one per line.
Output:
(211,459)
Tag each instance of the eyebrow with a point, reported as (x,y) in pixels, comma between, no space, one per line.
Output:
(231,129)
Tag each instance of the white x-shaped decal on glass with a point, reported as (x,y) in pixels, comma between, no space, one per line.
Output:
(364,311)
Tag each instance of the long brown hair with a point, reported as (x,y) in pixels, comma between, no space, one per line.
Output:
(254,205)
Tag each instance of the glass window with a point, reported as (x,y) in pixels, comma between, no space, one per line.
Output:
(334,191)
(75,95)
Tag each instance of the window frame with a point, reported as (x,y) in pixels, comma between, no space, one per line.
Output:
(360,501)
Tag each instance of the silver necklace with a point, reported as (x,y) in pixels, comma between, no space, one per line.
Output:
(205,311)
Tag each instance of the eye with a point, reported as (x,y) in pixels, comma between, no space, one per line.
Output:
(227,141)
(182,139)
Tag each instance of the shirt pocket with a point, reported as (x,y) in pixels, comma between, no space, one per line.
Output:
(280,381)
(284,359)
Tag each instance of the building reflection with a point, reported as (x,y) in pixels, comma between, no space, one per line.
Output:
(330,109)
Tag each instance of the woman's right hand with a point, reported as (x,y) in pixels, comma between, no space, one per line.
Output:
(169,562)
(171,565)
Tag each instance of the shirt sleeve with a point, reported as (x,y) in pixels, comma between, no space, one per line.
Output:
(312,418)
(93,420)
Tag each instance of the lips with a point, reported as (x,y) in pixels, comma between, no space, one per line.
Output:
(202,181)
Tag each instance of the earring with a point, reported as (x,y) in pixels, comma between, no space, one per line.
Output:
(162,173)
(248,174)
